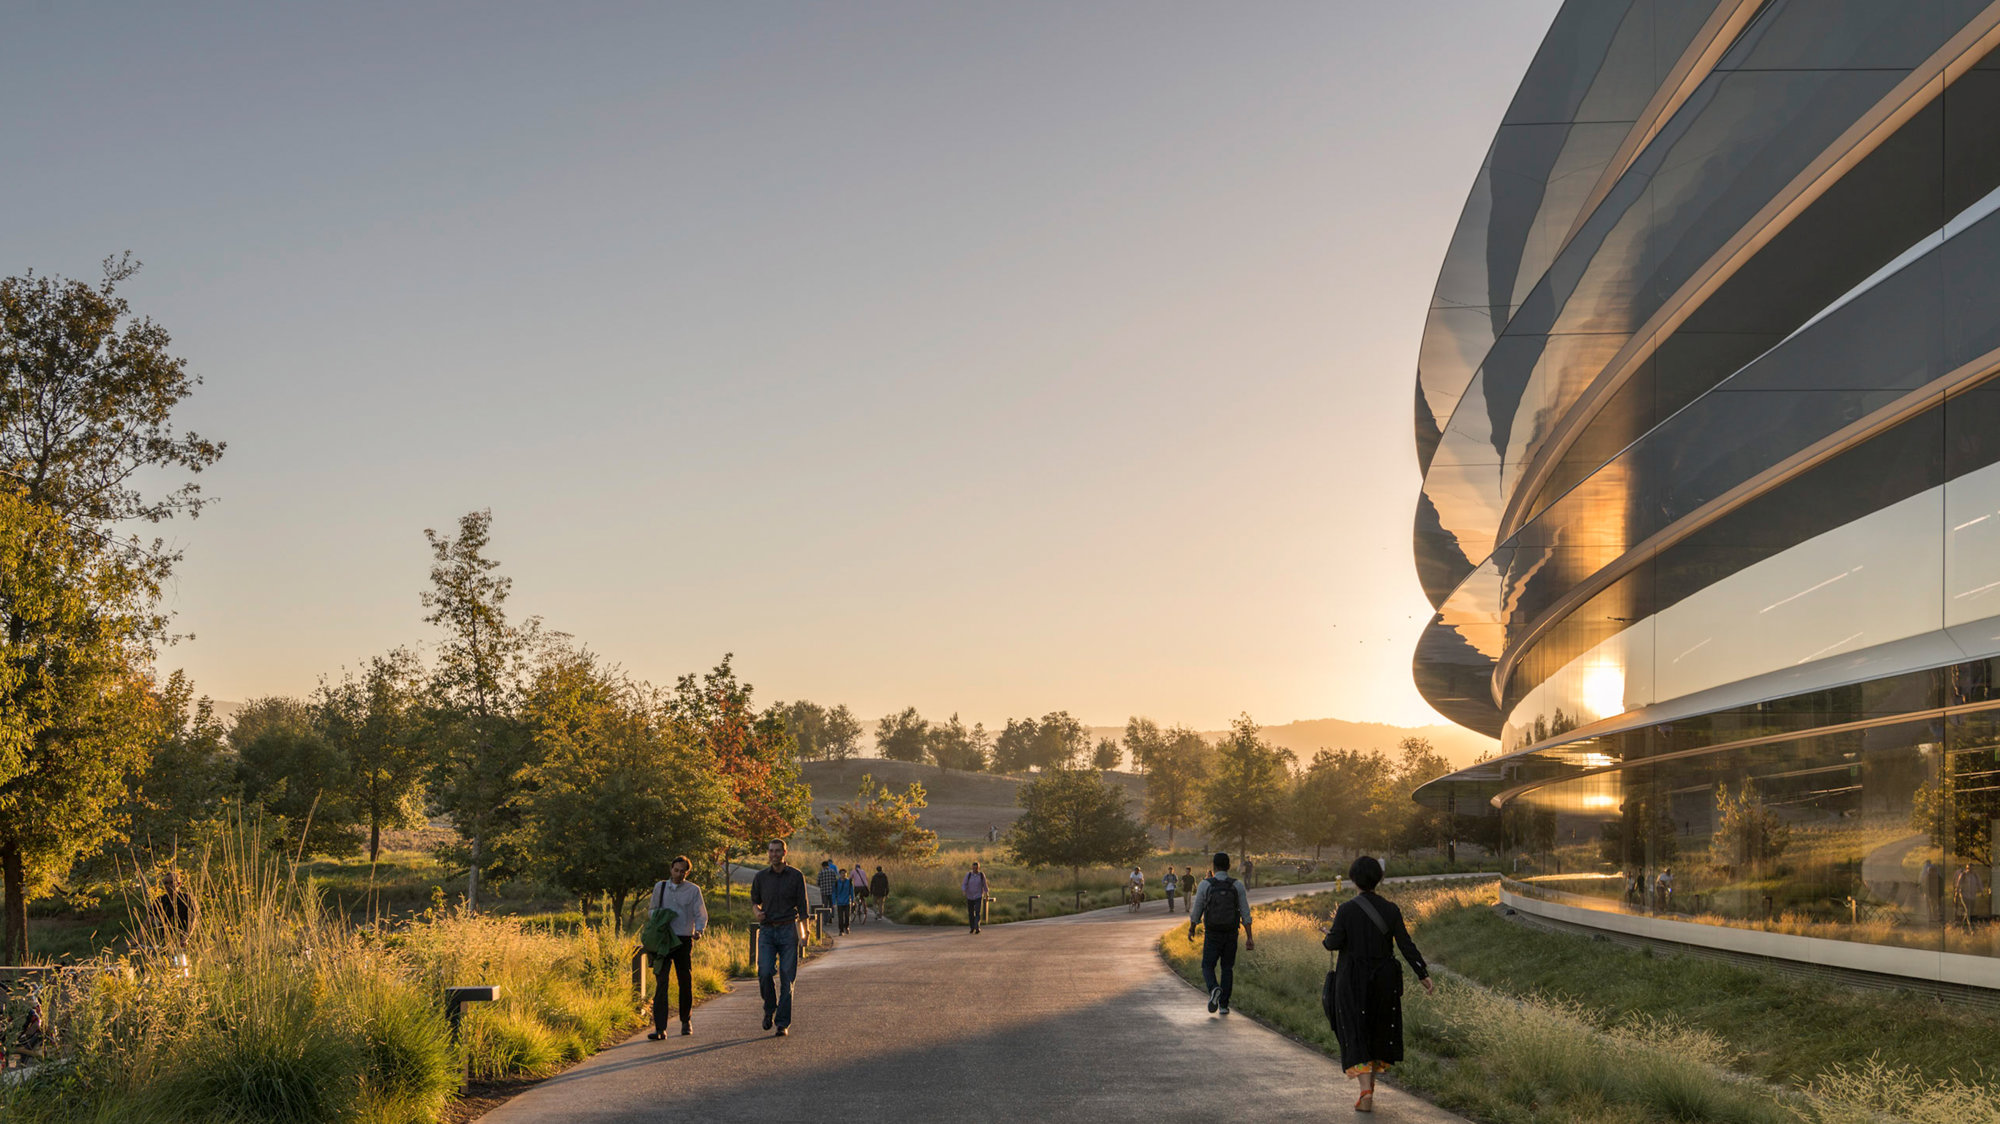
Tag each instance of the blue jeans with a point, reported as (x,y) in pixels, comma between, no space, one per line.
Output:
(778,955)
(1218,945)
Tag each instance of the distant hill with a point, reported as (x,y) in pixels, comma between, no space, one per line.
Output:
(961,805)
(1458,744)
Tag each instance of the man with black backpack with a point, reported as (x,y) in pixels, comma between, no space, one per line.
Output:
(1219,907)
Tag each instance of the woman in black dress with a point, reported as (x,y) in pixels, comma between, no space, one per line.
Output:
(1365,1000)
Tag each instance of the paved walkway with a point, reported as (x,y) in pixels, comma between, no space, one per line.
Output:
(1070,1018)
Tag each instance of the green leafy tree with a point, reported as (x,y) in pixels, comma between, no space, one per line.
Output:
(823,733)
(303,783)
(953,746)
(903,737)
(1107,755)
(614,791)
(754,755)
(1332,798)
(1061,741)
(1244,799)
(1956,810)
(481,752)
(1747,834)
(880,822)
(87,398)
(1177,765)
(1418,826)
(375,720)
(1073,817)
(1143,738)
(1014,748)
(1641,836)
(178,803)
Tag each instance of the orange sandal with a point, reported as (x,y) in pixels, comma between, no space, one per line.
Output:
(1365,1102)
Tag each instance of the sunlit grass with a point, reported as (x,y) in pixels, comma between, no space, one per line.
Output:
(1532,1026)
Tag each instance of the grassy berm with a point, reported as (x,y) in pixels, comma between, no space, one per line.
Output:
(1531,1026)
(285,1009)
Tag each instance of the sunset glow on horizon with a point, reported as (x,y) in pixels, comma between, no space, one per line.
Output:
(987,360)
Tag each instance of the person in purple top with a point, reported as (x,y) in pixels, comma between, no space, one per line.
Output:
(975,894)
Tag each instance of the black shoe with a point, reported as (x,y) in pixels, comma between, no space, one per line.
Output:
(1225,1009)
(769,1018)
(783,1032)
(686,1029)
(1214,1000)
(655,1036)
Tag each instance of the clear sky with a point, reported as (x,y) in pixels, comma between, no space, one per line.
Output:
(988,358)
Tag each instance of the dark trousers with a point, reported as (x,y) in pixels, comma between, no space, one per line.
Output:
(843,910)
(1219,946)
(777,966)
(681,960)
(972,912)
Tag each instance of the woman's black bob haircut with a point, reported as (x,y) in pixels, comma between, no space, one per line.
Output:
(1366,873)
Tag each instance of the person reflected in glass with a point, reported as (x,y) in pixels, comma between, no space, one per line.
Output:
(1966,888)
(1364,997)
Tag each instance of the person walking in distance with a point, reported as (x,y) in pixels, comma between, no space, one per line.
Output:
(860,879)
(828,874)
(878,889)
(1220,907)
(975,894)
(1363,997)
(778,896)
(689,921)
(1187,888)
(843,902)
(1171,884)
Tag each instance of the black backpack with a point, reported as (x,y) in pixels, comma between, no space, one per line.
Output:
(1222,909)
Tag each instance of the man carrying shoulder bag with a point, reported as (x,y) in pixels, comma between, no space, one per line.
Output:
(676,921)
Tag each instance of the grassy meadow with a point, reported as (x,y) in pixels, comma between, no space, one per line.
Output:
(1529,1026)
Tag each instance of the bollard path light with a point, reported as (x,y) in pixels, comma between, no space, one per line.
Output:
(455,999)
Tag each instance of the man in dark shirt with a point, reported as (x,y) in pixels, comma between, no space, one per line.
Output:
(778,893)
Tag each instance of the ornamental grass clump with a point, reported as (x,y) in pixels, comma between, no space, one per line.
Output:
(276,1008)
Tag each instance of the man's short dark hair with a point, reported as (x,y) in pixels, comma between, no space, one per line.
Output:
(1366,872)
(681,859)
(780,844)
(1222,860)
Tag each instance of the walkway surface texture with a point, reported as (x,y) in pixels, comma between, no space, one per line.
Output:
(1070,1018)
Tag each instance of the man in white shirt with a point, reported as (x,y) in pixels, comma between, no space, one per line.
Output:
(675,892)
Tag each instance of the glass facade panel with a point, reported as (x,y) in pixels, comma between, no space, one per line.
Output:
(1746,629)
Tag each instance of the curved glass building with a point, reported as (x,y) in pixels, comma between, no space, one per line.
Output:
(1710,427)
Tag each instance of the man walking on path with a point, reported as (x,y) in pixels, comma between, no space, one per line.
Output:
(975,895)
(1219,907)
(843,901)
(878,888)
(1187,889)
(778,894)
(828,874)
(690,918)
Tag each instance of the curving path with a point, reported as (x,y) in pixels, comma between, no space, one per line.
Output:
(1070,1018)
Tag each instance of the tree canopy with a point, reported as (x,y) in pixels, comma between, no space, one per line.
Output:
(1074,817)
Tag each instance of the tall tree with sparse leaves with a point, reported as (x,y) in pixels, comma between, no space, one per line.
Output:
(481,751)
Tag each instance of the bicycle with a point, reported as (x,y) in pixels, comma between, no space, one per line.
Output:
(1135,896)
